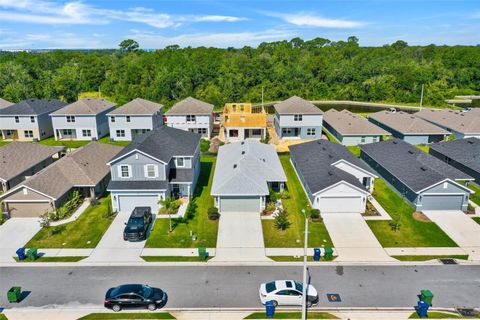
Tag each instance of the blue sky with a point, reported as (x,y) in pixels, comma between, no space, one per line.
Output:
(158,23)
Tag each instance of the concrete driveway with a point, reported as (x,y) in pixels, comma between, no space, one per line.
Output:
(14,234)
(352,238)
(112,247)
(460,227)
(240,238)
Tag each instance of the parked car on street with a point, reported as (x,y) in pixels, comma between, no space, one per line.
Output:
(134,296)
(137,226)
(287,292)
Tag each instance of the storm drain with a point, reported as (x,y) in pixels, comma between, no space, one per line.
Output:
(448,261)
(467,312)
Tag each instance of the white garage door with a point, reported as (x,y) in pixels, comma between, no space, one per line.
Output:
(341,204)
(128,203)
(240,204)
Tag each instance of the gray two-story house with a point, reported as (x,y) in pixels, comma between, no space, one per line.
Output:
(163,162)
(298,118)
(28,120)
(192,115)
(134,118)
(85,119)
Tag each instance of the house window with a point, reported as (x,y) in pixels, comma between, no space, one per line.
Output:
(67,132)
(112,119)
(120,133)
(70,118)
(151,171)
(125,171)
(28,133)
(191,118)
(257,132)
(419,199)
(362,139)
(180,162)
(127,118)
(17,119)
(311,131)
(87,133)
(297,117)
(32,119)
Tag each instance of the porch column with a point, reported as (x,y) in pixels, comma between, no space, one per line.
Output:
(92,193)
(55,131)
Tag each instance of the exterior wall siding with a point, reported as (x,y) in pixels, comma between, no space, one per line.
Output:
(201,121)
(459,166)
(351,140)
(136,123)
(137,168)
(41,127)
(308,122)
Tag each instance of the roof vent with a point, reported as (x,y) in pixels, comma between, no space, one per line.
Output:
(330,173)
(243,152)
(470,141)
(423,168)
(234,166)
(242,143)
(394,142)
(411,152)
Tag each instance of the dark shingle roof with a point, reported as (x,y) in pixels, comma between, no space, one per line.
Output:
(33,107)
(464,151)
(314,159)
(180,175)
(164,143)
(296,105)
(415,168)
(138,185)
(406,123)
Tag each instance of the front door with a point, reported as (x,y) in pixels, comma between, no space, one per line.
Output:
(176,191)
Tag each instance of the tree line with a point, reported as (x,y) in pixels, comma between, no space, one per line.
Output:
(317,69)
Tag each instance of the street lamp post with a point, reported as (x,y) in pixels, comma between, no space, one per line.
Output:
(305,284)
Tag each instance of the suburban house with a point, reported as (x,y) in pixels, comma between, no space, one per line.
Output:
(163,162)
(425,181)
(191,115)
(333,178)
(463,154)
(4,103)
(85,119)
(245,171)
(28,120)
(460,124)
(242,121)
(351,129)
(298,118)
(408,127)
(20,160)
(134,119)
(84,169)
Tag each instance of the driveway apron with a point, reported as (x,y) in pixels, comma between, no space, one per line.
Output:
(352,238)
(240,238)
(14,234)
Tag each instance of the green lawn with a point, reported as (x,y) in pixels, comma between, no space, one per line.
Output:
(73,144)
(424,148)
(106,140)
(2,143)
(123,315)
(330,137)
(85,232)
(476,219)
(412,233)
(318,234)
(200,225)
(53,259)
(355,150)
(426,258)
(292,315)
(172,259)
(476,196)
(3,317)
(441,315)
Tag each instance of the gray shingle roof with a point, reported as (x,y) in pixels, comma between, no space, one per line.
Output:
(190,106)
(245,167)
(137,185)
(415,168)
(4,103)
(296,105)
(464,151)
(163,143)
(314,160)
(347,123)
(16,157)
(86,166)
(180,175)
(463,122)
(32,107)
(87,106)
(137,107)
(407,123)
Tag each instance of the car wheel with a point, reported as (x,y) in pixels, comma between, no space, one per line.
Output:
(309,303)
(116,308)
(275,303)
(152,307)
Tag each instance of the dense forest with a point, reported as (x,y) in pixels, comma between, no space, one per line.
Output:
(317,69)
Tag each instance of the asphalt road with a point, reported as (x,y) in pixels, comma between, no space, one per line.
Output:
(211,287)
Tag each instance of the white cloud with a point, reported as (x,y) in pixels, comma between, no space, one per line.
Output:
(216,18)
(57,40)
(312,20)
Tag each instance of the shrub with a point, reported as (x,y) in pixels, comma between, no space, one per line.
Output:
(213,213)
(315,215)
(272,195)
(45,220)
(204,145)
(109,211)
(281,220)
(191,209)
(271,206)
(285,194)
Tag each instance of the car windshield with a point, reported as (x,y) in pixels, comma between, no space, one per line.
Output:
(299,286)
(270,286)
(147,291)
(135,221)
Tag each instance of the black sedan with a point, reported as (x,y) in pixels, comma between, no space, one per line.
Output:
(134,296)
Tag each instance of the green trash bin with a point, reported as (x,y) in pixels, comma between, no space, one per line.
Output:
(202,253)
(14,294)
(32,254)
(427,296)
(328,253)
